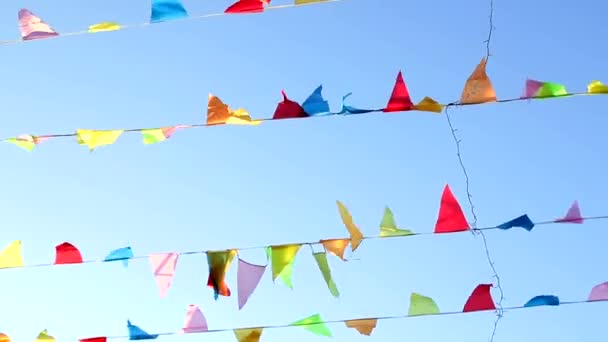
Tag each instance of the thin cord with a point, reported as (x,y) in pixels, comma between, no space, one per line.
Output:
(309,243)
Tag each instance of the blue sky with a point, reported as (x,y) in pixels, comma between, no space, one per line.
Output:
(224,187)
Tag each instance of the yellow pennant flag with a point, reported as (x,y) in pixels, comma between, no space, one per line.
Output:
(355,234)
(597,87)
(248,335)
(304,2)
(282,259)
(11,256)
(93,138)
(363,326)
(219,263)
(478,88)
(4,338)
(335,247)
(241,117)
(44,337)
(104,27)
(427,104)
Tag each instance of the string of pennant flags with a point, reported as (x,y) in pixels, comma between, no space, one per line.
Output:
(478,90)
(34,28)
(480,300)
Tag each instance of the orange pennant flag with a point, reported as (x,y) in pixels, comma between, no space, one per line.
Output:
(355,234)
(478,88)
(217,111)
(335,247)
(363,326)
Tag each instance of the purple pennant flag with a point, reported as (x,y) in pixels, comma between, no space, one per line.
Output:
(532,87)
(248,277)
(599,292)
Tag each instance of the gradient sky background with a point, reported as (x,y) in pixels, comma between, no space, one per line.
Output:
(222,187)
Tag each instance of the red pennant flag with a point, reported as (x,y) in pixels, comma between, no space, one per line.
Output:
(288,109)
(400,98)
(93,339)
(66,253)
(451,218)
(247,6)
(480,299)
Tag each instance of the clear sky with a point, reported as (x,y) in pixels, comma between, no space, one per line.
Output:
(221,187)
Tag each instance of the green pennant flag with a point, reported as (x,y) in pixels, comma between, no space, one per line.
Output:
(388,227)
(314,324)
(421,305)
(24,144)
(550,89)
(153,136)
(321,259)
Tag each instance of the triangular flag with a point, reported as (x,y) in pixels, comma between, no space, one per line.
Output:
(195,321)
(11,256)
(32,27)
(165,10)
(283,258)
(288,109)
(400,98)
(25,141)
(4,338)
(136,333)
(44,337)
(478,88)
(573,215)
(123,254)
(388,227)
(247,6)
(94,138)
(539,89)
(335,247)
(217,111)
(314,324)
(523,221)
(422,305)
(363,326)
(104,27)
(66,253)
(153,135)
(315,104)
(542,301)
(92,339)
(427,104)
(248,277)
(241,117)
(321,259)
(248,335)
(355,234)
(451,218)
(599,292)
(352,110)
(304,2)
(597,87)
(219,263)
(480,299)
(163,268)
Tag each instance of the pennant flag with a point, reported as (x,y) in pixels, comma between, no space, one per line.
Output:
(321,259)
(104,27)
(388,227)
(363,326)
(478,88)
(219,263)
(195,321)
(4,338)
(314,324)
(315,104)
(288,109)
(248,277)
(538,90)
(165,10)
(241,117)
(92,339)
(542,300)
(44,337)
(123,254)
(573,215)
(247,6)
(26,141)
(32,27)
(596,87)
(523,222)
(480,299)
(248,335)
(304,2)
(599,292)
(451,218)
(66,253)
(218,113)
(421,305)
(283,259)
(94,138)
(352,110)
(400,98)
(153,136)
(335,247)
(427,104)
(11,256)
(163,267)
(136,333)
(355,234)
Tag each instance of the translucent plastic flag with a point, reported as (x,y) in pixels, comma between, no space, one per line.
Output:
(335,247)
(321,259)
(478,88)
(522,221)
(163,268)
(480,299)
(248,277)
(573,215)
(4,338)
(241,117)
(400,98)
(32,27)
(66,253)
(123,254)
(451,218)
(288,109)
(543,300)
(12,256)
(246,6)
(153,136)
(95,138)
(219,263)
(248,335)
(304,2)
(104,27)
(315,104)
(539,89)
(314,324)
(421,305)
(599,292)
(136,333)
(44,337)
(283,259)
(597,87)
(165,10)
(25,141)
(92,339)
(195,321)
(427,104)
(347,110)
(388,227)
(363,326)
(355,234)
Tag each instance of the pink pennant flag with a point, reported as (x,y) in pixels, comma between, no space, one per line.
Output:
(168,131)
(195,321)
(573,215)
(32,27)
(599,292)
(248,277)
(163,266)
